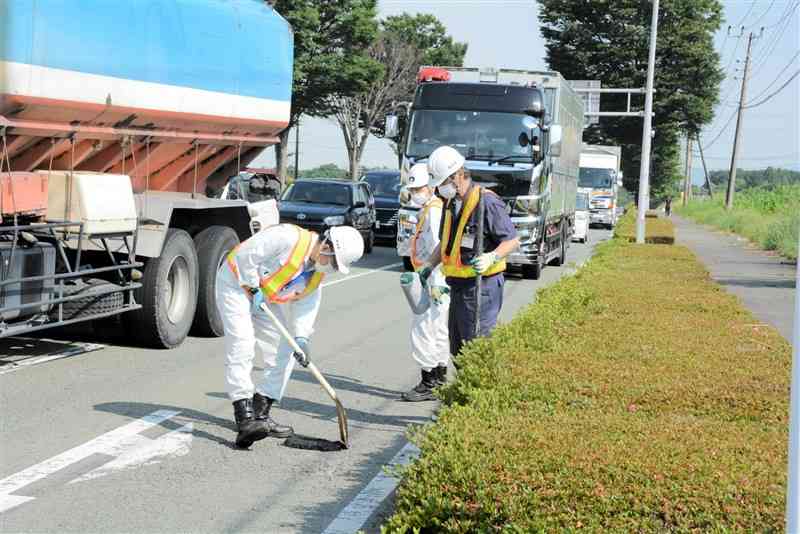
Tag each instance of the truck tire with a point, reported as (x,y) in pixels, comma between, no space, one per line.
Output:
(562,256)
(89,304)
(212,245)
(168,294)
(532,272)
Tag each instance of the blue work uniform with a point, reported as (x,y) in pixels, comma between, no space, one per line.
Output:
(497,228)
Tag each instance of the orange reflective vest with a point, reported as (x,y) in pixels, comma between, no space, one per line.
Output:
(435,203)
(273,284)
(451,260)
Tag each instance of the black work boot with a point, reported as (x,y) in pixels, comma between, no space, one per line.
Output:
(261,407)
(424,390)
(249,429)
(440,375)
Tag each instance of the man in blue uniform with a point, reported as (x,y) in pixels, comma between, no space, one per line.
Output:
(457,251)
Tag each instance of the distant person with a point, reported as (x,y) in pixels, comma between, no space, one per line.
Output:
(668,206)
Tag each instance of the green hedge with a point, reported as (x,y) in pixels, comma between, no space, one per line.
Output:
(657,231)
(634,396)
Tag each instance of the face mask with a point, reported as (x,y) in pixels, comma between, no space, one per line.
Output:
(420,198)
(448,190)
(328,267)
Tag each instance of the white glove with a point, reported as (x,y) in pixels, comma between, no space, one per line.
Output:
(437,293)
(482,263)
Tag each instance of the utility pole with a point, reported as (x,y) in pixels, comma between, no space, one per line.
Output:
(687,182)
(644,169)
(705,169)
(740,115)
(297,150)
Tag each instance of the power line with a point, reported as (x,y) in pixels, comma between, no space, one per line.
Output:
(770,97)
(776,77)
(747,14)
(722,131)
(755,22)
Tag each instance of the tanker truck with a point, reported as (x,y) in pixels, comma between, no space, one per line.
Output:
(116,118)
(520,132)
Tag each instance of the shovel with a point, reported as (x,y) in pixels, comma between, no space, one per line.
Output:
(344,434)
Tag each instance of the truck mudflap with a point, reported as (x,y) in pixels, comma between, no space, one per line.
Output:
(40,296)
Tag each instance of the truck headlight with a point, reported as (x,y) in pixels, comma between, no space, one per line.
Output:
(334,220)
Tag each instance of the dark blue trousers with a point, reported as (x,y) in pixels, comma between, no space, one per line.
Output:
(461,320)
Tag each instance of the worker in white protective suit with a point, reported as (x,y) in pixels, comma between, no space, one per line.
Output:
(430,346)
(282,266)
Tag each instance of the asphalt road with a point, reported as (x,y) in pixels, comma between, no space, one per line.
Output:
(77,456)
(763,281)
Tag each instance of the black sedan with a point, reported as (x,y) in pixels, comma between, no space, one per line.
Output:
(318,204)
(385,187)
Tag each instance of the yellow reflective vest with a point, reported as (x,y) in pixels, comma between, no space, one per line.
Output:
(451,260)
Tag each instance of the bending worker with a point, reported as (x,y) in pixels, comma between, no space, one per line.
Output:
(283,267)
(429,340)
(460,261)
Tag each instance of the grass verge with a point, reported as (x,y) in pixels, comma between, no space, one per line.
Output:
(634,396)
(769,218)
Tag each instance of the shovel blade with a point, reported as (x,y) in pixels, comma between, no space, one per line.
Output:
(344,432)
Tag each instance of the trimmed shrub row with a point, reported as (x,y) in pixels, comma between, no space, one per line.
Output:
(657,231)
(635,396)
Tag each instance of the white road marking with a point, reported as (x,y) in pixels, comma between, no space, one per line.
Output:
(146,451)
(113,443)
(74,350)
(355,514)
(359,275)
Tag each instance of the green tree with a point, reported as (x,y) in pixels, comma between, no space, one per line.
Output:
(406,42)
(330,60)
(609,41)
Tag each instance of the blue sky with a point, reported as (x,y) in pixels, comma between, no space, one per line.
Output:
(505,33)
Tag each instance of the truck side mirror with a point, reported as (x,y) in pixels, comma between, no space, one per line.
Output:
(556,134)
(392,127)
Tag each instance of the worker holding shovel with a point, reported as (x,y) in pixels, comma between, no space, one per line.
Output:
(281,267)
(429,339)
(476,236)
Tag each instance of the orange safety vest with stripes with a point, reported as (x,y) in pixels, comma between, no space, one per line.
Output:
(273,284)
(435,203)
(451,261)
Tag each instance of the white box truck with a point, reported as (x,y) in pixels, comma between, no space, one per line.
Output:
(600,178)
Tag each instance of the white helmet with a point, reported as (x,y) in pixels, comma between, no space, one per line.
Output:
(348,246)
(418,176)
(443,163)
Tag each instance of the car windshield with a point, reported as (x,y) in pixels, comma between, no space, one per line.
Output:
(318,193)
(596,178)
(582,203)
(476,134)
(384,185)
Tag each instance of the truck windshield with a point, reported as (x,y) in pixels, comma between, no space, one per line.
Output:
(476,134)
(318,192)
(582,203)
(596,178)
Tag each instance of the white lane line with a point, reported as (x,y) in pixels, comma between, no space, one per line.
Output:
(355,514)
(359,275)
(110,443)
(81,348)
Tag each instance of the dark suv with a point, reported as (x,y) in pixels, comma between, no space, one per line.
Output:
(385,187)
(318,204)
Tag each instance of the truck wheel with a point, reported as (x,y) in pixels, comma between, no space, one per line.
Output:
(407,265)
(532,272)
(168,295)
(562,257)
(212,245)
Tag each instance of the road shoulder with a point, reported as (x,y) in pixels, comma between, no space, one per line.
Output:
(763,281)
